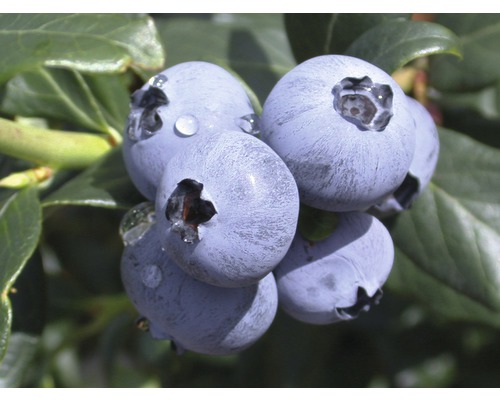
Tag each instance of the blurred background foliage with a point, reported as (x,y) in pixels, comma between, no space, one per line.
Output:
(76,328)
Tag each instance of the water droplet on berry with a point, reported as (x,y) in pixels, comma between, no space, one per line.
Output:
(151,276)
(250,124)
(158,80)
(187,125)
(136,222)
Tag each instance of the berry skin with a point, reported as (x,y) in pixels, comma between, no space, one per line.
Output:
(344,128)
(422,166)
(427,144)
(176,107)
(227,208)
(334,279)
(194,315)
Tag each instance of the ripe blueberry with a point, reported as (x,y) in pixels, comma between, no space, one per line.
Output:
(176,107)
(227,208)
(194,315)
(338,277)
(422,166)
(344,128)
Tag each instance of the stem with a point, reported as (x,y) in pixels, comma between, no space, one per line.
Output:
(52,148)
(114,137)
(18,180)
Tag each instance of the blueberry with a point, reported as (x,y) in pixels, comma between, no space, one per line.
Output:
(422,166)
(338,277)
(227,207)
(193,315)
(344,128)
(176,107)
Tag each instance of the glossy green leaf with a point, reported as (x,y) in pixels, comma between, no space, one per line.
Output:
(255,46)
(410,281)
(69,96)
(312,35)
(20,226)
(480,40)
(104,184)
(113,97)
(482,101)
(19,355)
(451,236)
(28,310)
(475,113)
(92,102)
(86,42)
(393,44)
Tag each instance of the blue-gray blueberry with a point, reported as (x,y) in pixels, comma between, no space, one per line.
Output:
(345,130)
(194,315)
(227,207)
(176,107)
(422,166)
(338,277)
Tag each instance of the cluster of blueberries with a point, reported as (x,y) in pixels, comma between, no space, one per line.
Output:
(215,249)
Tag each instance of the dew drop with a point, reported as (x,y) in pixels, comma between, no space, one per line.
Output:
(249,124)
(187,125)
(151,276)
(136,222)
(158,80)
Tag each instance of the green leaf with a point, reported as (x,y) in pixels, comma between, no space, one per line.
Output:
(480,40)
(311,35)
(452,233)
(393,44)
(20,226)
(112,96)
(255,46)
(28,320)
(410,281)
(19,355)
(86,42)
(104,184)
(92,102)
(483,101)
(475,113)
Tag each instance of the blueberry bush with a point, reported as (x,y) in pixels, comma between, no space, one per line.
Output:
(91,293)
